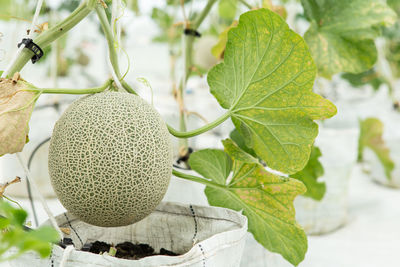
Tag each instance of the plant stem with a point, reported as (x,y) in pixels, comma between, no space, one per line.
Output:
(85,91)
(246,4)
(196,179)
(188,55)
(200,130)
(199,19)
(52,34)
(105,25)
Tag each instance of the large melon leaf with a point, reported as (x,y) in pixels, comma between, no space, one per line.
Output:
(266,83)
(341,33)
(265,198)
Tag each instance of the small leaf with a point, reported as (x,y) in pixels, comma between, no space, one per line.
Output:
(265,198)
(238,154)
(8,9)
(341,33)
(4,222)
(371,131)
(392,47)
(266,83)
(134,6)
(162,18)
(211,162)
(219,49)
(310,174)
(16,106)
(280,10)
(112,251)
(395,4)
(18,217)
(227,9)
(368,77)
(38,240)
(239,140)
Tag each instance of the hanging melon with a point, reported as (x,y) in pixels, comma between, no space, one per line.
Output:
(110,159)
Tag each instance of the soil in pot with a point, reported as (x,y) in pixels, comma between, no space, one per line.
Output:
(126,250)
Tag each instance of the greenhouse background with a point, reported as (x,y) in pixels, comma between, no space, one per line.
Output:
(354,223)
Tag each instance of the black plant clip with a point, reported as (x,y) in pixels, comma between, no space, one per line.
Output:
(191,32)
(29,44)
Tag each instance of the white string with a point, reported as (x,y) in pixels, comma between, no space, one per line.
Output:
(65,255)
(115,13)
(19,157)
(39,194)
(30,30)
(114,75)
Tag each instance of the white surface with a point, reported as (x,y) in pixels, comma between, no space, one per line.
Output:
(371,237)
(320,217)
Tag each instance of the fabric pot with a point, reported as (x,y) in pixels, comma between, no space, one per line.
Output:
(375,168)
(204,236)
(391,137)
(339,153)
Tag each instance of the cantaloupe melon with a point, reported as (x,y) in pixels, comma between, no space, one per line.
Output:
(110,159)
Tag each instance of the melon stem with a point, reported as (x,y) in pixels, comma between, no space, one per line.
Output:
(71,91)
(203,129)
(244,2)
(196,179)
(106,27)
(188,64)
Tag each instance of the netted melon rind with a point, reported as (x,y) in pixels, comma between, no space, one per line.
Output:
(110,159)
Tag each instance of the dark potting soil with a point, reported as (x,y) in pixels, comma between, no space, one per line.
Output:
(127,250)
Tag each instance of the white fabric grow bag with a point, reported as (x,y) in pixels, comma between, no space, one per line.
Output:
(375,168)
(205,236)
(339,153)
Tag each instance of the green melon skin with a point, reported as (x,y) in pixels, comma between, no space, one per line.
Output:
(110,159)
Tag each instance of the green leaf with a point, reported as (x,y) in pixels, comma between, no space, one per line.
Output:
(211,162)
(265,198)
(227,9)
(341,33)
(40,240)
(7,9)
(133,5)
(4,222)
(219,49)
(162,18)
(371,131)
(395,4)
(238,154)
(239,140)
(266,83)
(310,174)
(14,235)
(280,10)
(392,48)
(368,77)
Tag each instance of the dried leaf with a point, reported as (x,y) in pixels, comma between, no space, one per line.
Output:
(16,106)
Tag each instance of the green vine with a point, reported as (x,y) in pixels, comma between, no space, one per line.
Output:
(85,91)
(47,37)
(105,25)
